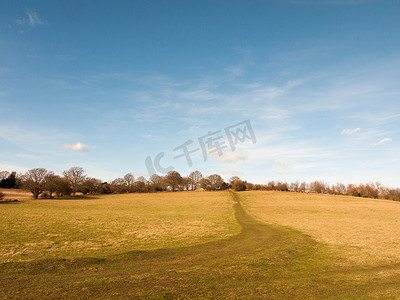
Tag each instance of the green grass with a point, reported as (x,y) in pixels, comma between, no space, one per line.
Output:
(261,262)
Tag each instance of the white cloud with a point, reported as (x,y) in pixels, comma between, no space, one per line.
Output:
(194,127)
(382,141)
(32,19)
(231,158)
(76,147)
(350,131)
(284,162)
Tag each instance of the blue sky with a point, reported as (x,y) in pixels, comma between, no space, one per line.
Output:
(106,84)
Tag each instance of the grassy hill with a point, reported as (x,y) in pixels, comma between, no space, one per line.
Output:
(200,245)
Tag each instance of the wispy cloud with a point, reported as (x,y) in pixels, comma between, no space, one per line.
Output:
(382,141)
(350,131)
(284,162)
(32,139)
(32,19)
(77,147)
(231,158)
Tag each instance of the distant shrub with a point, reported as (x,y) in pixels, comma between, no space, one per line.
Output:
(239,185)
(45,194)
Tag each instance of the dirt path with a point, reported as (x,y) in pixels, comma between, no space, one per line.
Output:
(262,261)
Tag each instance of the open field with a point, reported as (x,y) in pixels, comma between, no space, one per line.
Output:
(14,194)
(264,261)
(101,225)
(366,231)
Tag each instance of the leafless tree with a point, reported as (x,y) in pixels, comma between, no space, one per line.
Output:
(173,179)
(238,185)
(51,183)
(233,178)
(34,180)
(158,183)
(186,184)
(340,189)
(4,175)
(91,186)
(76,176)
(317,187)
(141,185)
(119,186)
(216,182)
(205,184)
(195,178)
(294,186)
(130,181)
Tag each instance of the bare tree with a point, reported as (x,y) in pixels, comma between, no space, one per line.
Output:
(317,187)
(353,190)
(76,176)
(186,184)
(249,185)
(158,183)
(51,183)
(195,178)
(303,187)
(173,179)
(216,182)
(141,185)
(271,186)
(130,181)
(34,180)
(4,175)
(205,184)
(238,185)
(119,186)
(234,178)
(91,186)
(281,186)
(294,186)
(340,189)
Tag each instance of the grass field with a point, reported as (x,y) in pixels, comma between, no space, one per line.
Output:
(100,225)
(366,231)
(13,194)
(198,252)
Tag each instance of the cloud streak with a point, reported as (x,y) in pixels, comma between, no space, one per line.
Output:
(231,158)
(382,141)
(350,131)
(32,19)
(76,147)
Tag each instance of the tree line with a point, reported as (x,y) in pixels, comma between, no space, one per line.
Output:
(47,184)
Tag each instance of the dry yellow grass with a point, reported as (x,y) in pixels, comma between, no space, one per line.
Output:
(113,224)
(365,231)
(13,194)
